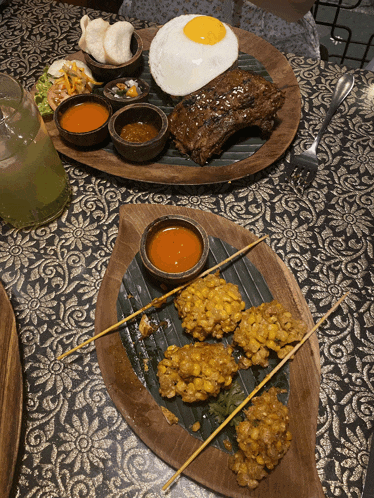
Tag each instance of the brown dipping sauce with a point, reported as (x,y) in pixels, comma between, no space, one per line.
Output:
(138,132)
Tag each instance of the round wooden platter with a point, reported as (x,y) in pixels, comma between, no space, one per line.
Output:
(296,475)
(11,394)
(289,117)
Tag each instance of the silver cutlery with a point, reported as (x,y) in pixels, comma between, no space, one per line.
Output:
(302,168)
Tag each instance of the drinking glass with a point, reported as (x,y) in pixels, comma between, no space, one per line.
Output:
(34,187)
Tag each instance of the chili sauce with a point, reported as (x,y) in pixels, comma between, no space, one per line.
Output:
(138,132)
(174,249)
(84,117)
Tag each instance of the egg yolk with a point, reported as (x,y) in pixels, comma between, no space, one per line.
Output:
(205,29)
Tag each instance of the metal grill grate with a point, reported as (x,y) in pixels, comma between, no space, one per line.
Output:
(350,39)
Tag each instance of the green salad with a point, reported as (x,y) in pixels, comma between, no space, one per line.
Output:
(226,402)
(42,86)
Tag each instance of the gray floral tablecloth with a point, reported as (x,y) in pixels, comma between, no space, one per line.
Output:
(75,442)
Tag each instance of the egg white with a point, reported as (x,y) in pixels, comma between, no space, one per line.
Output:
(180,66)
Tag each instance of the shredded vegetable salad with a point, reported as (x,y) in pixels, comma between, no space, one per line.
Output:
(74,79)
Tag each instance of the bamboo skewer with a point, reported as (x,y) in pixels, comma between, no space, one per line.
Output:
(159,300)
(250,396)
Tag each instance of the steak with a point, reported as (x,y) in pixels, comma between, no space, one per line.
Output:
(203,120)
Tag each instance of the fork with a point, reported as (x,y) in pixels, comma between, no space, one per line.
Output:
(302,168)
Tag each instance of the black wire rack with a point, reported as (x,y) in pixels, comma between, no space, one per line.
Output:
(347,48)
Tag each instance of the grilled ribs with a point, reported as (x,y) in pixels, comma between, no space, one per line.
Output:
(202,122)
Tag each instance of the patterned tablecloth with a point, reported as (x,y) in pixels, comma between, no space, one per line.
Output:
(75,442)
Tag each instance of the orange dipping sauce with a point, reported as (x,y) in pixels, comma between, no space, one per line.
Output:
(86,116)
(174,249)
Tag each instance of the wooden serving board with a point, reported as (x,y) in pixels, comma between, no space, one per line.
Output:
(296,475)
(289,117)
(11,394)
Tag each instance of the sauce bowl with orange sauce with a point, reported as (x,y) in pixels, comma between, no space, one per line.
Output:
(174,249)
(131,128)
(82,120)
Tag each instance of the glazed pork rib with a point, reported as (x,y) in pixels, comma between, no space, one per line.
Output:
(202,122)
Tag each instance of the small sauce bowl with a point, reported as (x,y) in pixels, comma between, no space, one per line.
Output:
(139,113)
(120,101)
(174,249)
(87,138)
(108,72)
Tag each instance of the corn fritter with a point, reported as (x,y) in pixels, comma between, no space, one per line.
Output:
(210,307)
(196,371)
(267,327)
(263,439)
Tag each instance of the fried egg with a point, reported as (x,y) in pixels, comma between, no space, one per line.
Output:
(189,51)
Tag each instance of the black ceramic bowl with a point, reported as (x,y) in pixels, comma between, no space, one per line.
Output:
(118,102)
(108,72)
(88,138)
(135,113)
(172,221)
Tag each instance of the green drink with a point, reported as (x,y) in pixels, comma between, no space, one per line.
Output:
(34,188)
